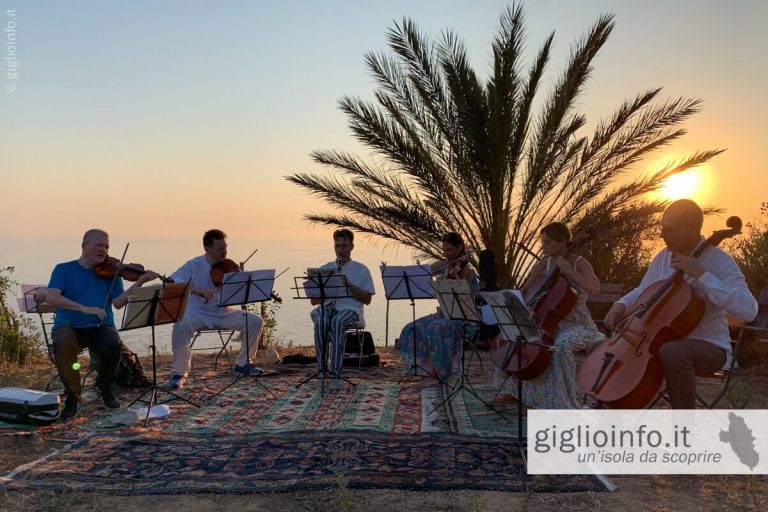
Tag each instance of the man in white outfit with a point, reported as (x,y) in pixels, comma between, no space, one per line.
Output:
(716,278)
(204,313)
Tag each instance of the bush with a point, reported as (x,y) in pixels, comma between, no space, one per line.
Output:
(19,339)
(751,251)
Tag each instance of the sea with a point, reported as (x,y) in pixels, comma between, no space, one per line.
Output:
(384,318)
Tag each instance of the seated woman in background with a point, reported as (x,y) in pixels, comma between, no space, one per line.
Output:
(556,387)
(438,338)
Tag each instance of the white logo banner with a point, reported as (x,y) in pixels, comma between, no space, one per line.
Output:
(645,442)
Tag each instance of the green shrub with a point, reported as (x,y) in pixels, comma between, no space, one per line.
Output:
(19,339)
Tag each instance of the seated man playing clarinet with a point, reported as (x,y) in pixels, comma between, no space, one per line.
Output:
(335,316)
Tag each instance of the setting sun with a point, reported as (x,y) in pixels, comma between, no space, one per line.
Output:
(681,185)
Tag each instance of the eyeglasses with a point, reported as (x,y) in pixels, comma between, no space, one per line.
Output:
(673,229)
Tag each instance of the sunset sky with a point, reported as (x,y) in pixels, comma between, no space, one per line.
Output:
(157,121)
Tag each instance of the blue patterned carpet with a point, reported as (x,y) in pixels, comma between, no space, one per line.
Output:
(150,464)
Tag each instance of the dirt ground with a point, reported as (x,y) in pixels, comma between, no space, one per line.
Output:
(653,492)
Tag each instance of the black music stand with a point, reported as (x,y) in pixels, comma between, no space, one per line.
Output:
(240,289)
(517,327)
(457,304)
(322,283)
(409,282)
(149,306)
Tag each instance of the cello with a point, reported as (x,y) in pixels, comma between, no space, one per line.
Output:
(549,298)
(624,372)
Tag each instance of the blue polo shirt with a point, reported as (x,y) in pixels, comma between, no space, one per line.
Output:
(83,286)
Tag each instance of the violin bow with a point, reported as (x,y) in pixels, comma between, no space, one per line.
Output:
(462,257)
(114,278)
(242,263)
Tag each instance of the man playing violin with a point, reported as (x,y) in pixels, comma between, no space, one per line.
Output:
(344,313)
(84,319)
(716,278)
(203,312)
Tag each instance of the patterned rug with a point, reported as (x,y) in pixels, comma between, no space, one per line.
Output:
(278,403)
(177,464)
(468,411)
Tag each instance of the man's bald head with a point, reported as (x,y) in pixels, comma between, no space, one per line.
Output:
(684,212)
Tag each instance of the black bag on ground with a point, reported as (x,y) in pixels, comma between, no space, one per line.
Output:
(130,374)
(360,351)
(360,344)
(362,361)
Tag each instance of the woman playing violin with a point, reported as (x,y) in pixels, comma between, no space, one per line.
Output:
(203,312)
(84,318)
(438,338)
(556,387)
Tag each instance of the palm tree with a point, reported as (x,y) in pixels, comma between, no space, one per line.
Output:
(490,159)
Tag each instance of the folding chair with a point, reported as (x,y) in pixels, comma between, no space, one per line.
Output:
(225,336)
(732,371)
(725,375)
(33,301)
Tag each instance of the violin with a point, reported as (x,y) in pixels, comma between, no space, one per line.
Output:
(227,266)
(112,267)
(624,371)
(220,268)
(453,270)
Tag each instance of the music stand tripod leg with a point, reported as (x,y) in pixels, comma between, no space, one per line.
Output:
(248,365)
(413,370)
(154,388)
(322,371)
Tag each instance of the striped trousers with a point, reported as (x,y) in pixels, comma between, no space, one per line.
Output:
(334,324)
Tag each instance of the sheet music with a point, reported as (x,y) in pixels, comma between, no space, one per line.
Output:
(455,300)
(170,308)
(329,278)
(419,281)
(512,315)
(235,285)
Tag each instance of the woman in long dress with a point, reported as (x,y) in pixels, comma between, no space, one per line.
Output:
(439,338)
(556,387)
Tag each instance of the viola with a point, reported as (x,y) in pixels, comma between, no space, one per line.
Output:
(112,267)
(227,266)
(549,298)
(624,372)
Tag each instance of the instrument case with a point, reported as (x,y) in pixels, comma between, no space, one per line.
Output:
(28,406)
